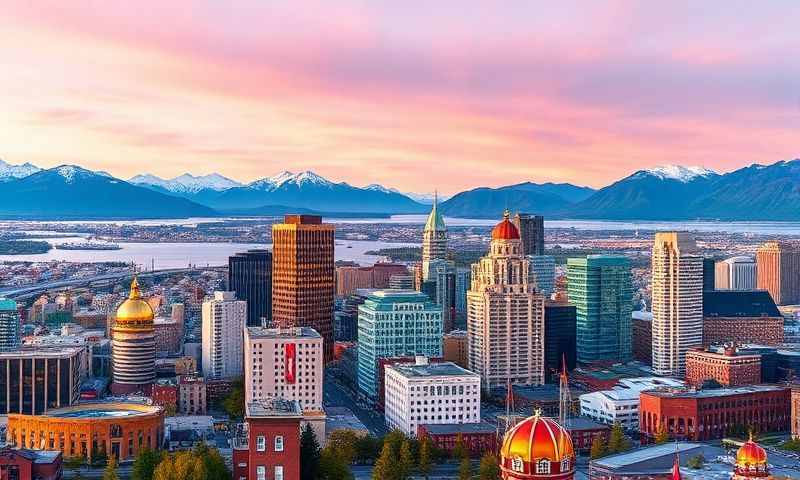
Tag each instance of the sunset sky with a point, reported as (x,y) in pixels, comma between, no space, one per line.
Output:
(414,95)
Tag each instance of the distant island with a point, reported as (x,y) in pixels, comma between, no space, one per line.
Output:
(23,247)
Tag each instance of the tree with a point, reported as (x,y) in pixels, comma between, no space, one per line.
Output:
(598,447)
(489,468)
(344,443)
(145,464)
(233,403)
(310,453)
(385,465)
(110,472)
(459,450)
(213,463)
(465,469)
(617,441)
(696,462)
(367,449)
(405,464)
(333,467)
(424,465)
(661,435)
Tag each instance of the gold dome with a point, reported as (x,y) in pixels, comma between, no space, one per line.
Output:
(135,311)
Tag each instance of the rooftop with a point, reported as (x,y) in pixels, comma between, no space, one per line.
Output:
(643,454)
(720,392)
(444,369)
(630,388)
(294,332)
(445,429)
(739,304)
(40,351)
(275,408)
(102,409)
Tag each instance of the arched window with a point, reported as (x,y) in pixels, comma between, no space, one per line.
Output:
(565,465)
(543,466)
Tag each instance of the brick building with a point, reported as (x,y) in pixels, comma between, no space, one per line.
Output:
(710,414)
(728,368)
(477,438)
(454,347)
(795,400)
(642,333)
(165,394)
(192,395)
(584,430)
(21,464)
(169,335)
(268,445)
(741,317)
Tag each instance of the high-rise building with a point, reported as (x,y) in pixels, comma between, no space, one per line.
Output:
(303,277)
(133,345)
(434,239)
(505,315)
(542,273)
(531,232)
(454,347)
(224,319)
(441,288)
(463,276)
(559,338)
(401,282)
(600,288)
(737,273)
(778,271)
(250,276)
(677,291)
(709,273)
(350,278)
(394,323)
(9,324)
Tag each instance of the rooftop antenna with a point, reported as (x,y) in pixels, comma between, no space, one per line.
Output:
(564,395)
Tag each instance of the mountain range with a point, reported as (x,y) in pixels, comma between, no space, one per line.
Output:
(756,192)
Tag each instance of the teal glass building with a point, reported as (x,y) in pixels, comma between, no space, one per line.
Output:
(9,325)
(395,323)
(600,288)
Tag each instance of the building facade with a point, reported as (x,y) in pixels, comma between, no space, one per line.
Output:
(600,288)
(505,315)
(394,323)
(677,291)
(795,411)
(303,277)
(642,337)
(133,345)
(267,446)
(434,239)
(9,325)
(700,415)
(621,403)
(250,277)
(737,273)
(741,317)
(476,438)
(284,363)
(454,347)
(22,464)
(778,271)
(192,395)
(531,232)
(560,324)
(727,368)
(224,319)
(423,393)
(542,273)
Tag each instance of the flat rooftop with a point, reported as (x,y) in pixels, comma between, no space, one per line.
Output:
(293,332)
(720,392)
(443,369)
(42,351)
(276,408)
(455,428)
(644,454)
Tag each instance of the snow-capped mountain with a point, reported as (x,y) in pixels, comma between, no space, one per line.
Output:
(8,171)
(288,178)
(186,183)
(678,172)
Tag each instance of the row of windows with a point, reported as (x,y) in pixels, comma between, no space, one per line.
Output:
(261,473)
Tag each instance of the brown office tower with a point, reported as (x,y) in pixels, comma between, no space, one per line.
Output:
(303,276)
(531,232)
(778,272)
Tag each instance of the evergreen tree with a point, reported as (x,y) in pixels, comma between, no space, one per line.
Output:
(385,465)
(344,443)
(309,453)
(465,469)
(489,468)
(598,447)
(332,466)
(110,473)
(661,435)
(145,464)
(459,450)
(617,441)
(425,464)
(405,464)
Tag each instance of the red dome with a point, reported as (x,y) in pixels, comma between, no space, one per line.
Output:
(751,454)
(533,441)
(505,230)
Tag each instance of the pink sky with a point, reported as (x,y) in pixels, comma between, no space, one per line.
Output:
(447,94)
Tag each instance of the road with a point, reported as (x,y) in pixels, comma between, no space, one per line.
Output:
(337,395)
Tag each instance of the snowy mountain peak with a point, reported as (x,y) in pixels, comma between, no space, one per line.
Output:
(187,183)
(286,177)
(678,172)
(70,172)
(9,172)
(380,188)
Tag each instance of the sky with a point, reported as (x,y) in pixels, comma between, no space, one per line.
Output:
(446,95)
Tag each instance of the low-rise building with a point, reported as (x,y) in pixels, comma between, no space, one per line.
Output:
(423,393)
(477,438)
(728,368)
(268,444)
(165,394)
(795,411)
(22,464)
(583,432)
(192,396)
(651,463)
(621,403)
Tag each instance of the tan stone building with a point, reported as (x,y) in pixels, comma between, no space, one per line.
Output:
(778,271)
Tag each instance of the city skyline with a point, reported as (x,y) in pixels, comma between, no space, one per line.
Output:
(353,94)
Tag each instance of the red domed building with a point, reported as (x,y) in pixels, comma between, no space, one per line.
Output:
(751,462)
(537,448)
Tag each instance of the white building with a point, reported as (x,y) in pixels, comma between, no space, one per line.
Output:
(285,363)
(677,301)
(224,319)
(737,273)
(423,393)
(621,403)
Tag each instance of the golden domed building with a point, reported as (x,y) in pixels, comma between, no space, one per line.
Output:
(133,345)
(537,448)
(751,462)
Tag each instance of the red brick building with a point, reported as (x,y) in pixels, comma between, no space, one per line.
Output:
(22,464)
(727,368)
(477,438)
(268,445)
(165,394)
(701,415)
(642,337)
(741,317)
(795,399)
(583,431)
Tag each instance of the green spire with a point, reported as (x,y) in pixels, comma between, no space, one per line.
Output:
(435,221)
